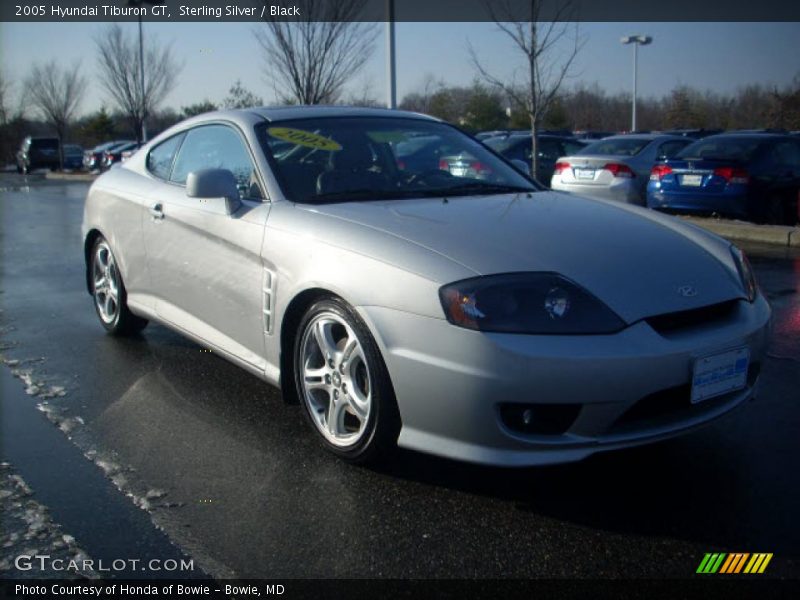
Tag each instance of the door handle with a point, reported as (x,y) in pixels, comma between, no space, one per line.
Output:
(157,211)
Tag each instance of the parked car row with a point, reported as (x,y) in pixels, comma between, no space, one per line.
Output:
(38,153)
(753,176)
(45,153)
(105,155)
(615,168)
(744,174)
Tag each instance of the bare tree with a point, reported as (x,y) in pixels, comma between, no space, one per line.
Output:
(56,94)
(120,74)
(538,42)
(5,99)
(240,97)
(310,60)
(421,100)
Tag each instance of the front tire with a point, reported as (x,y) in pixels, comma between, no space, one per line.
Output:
(343,385)
(108,292)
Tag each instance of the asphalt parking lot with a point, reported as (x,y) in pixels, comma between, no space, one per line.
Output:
(233,477)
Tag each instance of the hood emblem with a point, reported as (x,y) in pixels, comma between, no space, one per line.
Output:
(687,291)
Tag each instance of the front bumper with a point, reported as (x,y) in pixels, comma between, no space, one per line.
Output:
(450,383)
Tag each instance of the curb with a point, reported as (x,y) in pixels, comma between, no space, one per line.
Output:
(70,176)
(778,235)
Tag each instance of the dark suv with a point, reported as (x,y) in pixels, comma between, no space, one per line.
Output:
(37,153)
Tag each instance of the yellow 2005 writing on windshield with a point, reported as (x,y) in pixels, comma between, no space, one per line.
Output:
(304,138)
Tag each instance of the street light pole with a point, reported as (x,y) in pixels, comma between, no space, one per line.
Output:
(636,40)
(391,74)
(141,79)
(139,3)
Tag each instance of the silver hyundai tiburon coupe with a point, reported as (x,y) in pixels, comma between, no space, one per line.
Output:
(485,320)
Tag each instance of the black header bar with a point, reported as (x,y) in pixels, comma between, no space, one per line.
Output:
(404,10)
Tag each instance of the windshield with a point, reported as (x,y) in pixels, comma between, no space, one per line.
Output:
(45,144)
(722,148)
(501,144)
(618,146)
(339,159)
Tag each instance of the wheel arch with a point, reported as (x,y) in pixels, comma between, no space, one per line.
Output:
(88,244)
(294,311)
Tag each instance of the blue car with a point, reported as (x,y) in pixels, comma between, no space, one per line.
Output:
(73,157)
(748,176)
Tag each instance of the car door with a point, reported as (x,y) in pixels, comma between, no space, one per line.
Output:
(782,177)
(205,268)
(549,151)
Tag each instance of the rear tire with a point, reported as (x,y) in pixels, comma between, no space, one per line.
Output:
(108,292)
(343,384)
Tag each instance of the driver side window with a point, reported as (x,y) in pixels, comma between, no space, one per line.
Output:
(217,147)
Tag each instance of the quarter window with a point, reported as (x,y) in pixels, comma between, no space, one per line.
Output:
(159,161)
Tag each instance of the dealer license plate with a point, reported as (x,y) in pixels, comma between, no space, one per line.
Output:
(719,373)
(694,180)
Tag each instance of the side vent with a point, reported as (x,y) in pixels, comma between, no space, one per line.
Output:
(268,300)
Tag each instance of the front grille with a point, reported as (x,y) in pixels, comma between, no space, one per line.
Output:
(686,319)
(674,404)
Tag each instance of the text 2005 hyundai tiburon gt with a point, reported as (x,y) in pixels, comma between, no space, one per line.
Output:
(485,319)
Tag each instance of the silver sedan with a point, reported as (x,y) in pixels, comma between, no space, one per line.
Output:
(485,320)
(615,168)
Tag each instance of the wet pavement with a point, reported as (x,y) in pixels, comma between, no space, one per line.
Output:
(245,489)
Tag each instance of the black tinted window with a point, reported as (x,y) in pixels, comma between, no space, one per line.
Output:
(670,149)
(572,147)
(787,154)
(159,161)
(549,150)
(722,148)
(618,146)
(215,147)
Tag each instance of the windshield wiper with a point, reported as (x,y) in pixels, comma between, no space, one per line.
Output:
(479,187)
(356,195)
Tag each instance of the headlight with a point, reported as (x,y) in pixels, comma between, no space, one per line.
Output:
(746,274)
(533,303)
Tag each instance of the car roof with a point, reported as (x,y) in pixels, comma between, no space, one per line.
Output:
(288,113)
(641,136)
(526,135)
(747,135)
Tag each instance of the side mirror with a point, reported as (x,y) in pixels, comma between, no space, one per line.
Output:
(521,165)
(216,187)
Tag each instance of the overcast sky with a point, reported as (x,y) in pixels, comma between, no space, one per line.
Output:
(714,56)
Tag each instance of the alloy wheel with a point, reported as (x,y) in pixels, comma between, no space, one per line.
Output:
(106,283)
(336,382)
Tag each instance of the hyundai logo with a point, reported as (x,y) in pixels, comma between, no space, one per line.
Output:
(687,291)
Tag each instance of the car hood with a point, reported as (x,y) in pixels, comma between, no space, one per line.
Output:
(638,262)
